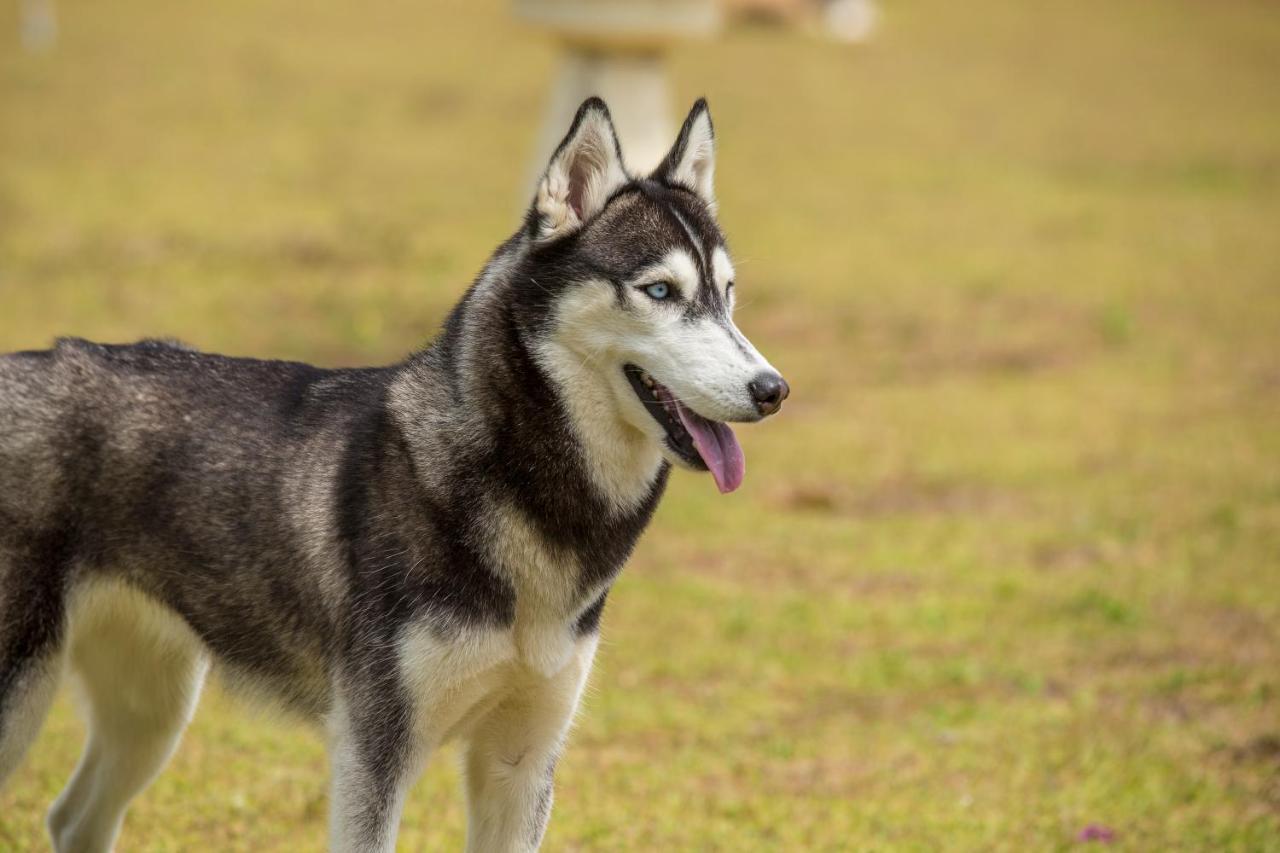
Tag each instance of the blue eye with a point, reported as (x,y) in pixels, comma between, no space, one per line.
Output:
(661,290)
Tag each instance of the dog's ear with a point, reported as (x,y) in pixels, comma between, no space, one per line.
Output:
(585,170)
(691,162)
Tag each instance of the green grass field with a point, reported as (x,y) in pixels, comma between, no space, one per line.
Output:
(1008,564)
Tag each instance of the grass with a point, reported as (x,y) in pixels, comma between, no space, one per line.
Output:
(1008,565)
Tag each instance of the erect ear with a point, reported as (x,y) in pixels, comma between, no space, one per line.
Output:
(583,173)
(691,162)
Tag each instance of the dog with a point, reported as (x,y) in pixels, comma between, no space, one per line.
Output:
(405,555)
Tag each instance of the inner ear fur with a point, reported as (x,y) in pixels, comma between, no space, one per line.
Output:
(691,162)
(585,170)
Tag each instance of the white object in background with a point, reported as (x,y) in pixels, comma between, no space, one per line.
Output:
(850,20)
(38,25)
(636,88)
(616,49)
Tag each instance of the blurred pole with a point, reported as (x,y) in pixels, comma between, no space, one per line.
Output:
(616,49)
(637,90)
(38,25)
(850,20)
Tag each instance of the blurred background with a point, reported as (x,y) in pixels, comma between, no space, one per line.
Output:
(1005,575)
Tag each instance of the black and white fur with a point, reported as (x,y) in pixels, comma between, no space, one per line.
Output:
(407,554)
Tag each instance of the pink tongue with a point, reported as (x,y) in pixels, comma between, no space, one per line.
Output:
(718,447)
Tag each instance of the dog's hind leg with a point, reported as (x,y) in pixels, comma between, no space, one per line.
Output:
(139,669)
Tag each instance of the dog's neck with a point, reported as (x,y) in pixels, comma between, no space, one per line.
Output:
(620,461)
(541,430)
(565,403)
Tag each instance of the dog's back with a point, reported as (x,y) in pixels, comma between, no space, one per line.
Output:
(181,474)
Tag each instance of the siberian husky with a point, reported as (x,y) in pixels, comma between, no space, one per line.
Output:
(405,554)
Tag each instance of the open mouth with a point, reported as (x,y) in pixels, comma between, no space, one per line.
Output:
(703,444)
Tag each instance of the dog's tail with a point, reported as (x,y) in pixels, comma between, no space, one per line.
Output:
(33,564)
(31,634)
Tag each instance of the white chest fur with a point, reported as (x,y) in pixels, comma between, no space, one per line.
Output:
(548,599)
(457,675)
(456,681)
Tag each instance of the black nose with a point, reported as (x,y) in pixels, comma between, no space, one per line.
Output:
(768,390)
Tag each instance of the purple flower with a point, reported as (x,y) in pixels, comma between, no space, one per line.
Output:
(1097,832)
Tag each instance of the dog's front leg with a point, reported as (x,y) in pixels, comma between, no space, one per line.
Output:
(374,754)
(511,757)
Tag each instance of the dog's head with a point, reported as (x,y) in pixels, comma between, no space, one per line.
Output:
(640,291)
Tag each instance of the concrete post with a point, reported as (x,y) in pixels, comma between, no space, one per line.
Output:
(617,49)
